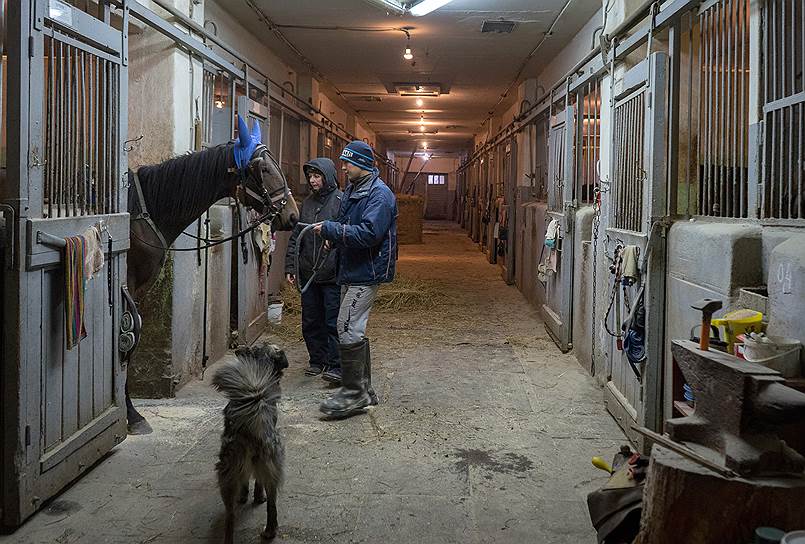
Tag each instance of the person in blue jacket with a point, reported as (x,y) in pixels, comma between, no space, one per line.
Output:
(365,234)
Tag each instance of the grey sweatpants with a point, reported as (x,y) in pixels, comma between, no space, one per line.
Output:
(356,303)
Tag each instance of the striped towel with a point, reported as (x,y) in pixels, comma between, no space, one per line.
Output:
(74,289)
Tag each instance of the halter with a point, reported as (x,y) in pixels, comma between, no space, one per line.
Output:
(273,202)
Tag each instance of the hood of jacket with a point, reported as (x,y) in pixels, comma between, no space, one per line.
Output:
(326,167)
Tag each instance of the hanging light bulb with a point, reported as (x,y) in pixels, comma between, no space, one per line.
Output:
(219,104)
(425,145)
(408,55)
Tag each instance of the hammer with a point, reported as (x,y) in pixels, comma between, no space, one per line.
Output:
(707,307)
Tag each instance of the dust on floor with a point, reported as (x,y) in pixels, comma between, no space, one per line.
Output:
(484,434)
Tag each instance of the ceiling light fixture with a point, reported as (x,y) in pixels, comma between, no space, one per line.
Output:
(426,6)
(419,102)
(408,55)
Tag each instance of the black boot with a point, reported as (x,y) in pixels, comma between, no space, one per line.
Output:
(352,396)
(373,401)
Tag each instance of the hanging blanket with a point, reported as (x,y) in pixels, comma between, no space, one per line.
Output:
(74,253)
(83,258)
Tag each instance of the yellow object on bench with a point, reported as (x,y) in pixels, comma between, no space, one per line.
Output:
(738,322)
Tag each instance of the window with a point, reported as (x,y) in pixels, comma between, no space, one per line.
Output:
(437,179)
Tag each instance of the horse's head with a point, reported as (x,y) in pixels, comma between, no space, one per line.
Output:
(263,184)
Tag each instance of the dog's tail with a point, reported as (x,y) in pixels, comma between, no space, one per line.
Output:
(250,384)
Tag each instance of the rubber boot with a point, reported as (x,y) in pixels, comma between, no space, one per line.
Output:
(373,400)
(352,396)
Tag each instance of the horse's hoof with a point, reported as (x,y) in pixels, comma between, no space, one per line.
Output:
(268,534)
(140,427)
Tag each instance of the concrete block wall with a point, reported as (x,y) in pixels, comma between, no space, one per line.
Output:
(706,260)
(582,286)
(785,273)
(715,260)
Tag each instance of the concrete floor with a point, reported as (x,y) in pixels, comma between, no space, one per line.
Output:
(484,434)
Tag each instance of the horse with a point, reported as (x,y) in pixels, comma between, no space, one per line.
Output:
(166,198)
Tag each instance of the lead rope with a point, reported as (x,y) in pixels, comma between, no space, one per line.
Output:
(316,254)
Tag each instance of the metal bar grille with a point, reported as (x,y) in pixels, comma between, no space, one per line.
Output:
(717,120)
(556,167)
(629,174)
(81,132)
(723,84)
(590,118)
(784,110)
(207,107)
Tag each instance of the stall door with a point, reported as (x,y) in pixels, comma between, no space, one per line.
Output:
(436,199)
(62,409)
(557,309)
(510,218)
(248,300)
(636,204)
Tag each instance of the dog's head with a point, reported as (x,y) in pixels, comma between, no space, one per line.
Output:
(267,354)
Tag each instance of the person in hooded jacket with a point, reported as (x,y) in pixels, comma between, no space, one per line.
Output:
(321,301)
(365,234)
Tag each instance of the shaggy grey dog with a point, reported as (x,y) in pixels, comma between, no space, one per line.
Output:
(250,443)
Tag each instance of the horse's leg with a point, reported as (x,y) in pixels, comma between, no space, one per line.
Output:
(137,424)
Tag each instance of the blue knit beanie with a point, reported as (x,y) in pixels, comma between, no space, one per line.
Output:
(360,154)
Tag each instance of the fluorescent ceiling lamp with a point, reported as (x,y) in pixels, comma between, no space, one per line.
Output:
(426,6)
(392,5)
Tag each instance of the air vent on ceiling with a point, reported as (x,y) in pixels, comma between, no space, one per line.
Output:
(367,98)
(426,131)
(418,89)
(454,127)
(499,27)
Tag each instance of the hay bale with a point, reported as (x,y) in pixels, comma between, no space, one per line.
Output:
(409,221)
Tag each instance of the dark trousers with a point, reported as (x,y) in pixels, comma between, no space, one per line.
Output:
(320,305)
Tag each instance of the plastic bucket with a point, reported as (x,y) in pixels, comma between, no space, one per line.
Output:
(785,362)
(274,313)
(777,345)
(796,537)
(739,322)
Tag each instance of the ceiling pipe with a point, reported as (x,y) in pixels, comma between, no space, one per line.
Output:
(528,58)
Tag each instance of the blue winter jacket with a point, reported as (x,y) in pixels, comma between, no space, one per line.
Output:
(365,234)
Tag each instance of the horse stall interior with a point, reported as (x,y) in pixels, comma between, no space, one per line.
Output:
(65,126)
